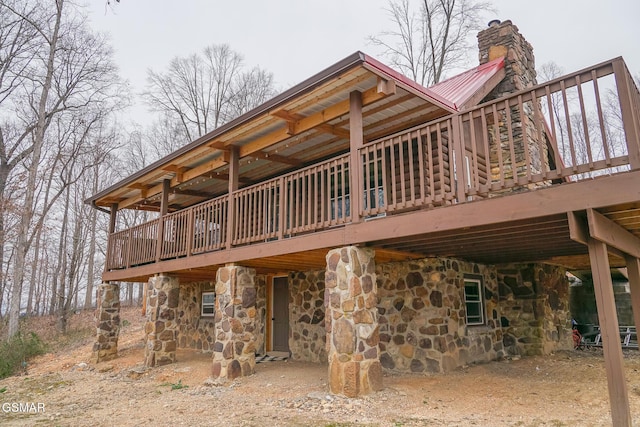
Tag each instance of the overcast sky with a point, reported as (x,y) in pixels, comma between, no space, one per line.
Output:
(295,39)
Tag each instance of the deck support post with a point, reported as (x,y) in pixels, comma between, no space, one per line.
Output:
(234,166)
(633,271)
(356,140)
(164,208)
(235,345)
(352,322)
(113,215)
(161,328)
(107,322)
(608,319)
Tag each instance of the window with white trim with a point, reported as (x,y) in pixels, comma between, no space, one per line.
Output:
(474,301)
(208,304)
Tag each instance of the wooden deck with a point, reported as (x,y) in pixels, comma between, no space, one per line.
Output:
(496,183)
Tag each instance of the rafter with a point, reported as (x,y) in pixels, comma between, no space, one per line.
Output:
(310,122)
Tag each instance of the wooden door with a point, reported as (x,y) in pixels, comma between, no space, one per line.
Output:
(280,316)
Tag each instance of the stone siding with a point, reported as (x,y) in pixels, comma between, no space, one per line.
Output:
(198,332)
(195,331)
(422,316)
(307,335)
(534,305)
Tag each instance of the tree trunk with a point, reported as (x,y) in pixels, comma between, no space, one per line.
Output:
(61,269)
(22,243)
(93,218)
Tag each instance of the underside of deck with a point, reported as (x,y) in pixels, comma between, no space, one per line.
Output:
(525,227)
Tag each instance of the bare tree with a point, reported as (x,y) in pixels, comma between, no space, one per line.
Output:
(69,71)
(430,38)
(204,91)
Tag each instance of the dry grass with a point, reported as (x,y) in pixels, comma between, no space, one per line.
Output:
(81,328)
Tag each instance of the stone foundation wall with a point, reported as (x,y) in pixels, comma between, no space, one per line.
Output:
(422,316)
(534,305)
(195,331)
(198,332)
(306,316)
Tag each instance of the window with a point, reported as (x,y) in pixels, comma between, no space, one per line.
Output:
(473,301)
(208,303)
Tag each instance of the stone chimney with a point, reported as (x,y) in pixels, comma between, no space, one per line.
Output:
(528,155)
(502,39)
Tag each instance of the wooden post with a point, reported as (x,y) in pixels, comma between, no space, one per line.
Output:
(633,270)
(112,218)
(458,151)
(629,121)
(281,207)
(164,208)
(112,228)
(234,166)
(356,139)
(605,302)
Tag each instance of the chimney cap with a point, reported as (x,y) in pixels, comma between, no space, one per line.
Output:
(494,22)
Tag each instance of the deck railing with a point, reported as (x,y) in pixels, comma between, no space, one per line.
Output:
(575,127)
(133,246)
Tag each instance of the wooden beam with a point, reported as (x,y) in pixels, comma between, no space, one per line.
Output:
(234,172)
(272,157)
(607,231)
(388,87)
(356,140)
(633,274)
(187,176)
(112,217)
(578,228)
(579,231)
(307,123)
(334,130)
(608,318)
(164,198)
(194,193)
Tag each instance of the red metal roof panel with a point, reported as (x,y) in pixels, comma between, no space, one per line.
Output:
(458,89)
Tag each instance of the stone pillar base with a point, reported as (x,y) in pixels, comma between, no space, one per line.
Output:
(161,328)
(354,378)
(351,320)
(235,346)
(108,322)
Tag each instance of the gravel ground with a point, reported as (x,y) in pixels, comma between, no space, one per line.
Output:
(563,389)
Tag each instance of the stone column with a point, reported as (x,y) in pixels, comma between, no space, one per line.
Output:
(108,322)
(161,328)
(235,345)
(352,322)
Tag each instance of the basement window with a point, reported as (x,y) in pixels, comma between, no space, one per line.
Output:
(208,304)
(473,301)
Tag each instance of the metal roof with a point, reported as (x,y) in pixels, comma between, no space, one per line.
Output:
(458,89)
(407,105)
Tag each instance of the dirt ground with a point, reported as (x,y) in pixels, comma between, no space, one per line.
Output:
(563,389)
